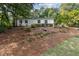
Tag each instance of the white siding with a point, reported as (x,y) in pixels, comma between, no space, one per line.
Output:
(18,23)
(30,22)
(50,21)
(42,21)
(23,23)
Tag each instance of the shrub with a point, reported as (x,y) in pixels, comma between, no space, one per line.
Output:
(29,39)
(28,29)
(46,34)
(2,28)
(33,25)
(41,35)
(43,25)
(39,25)
(50,25)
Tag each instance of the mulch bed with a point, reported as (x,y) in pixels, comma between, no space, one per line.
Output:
(19,42)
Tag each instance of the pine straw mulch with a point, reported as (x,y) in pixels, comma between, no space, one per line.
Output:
(19,42)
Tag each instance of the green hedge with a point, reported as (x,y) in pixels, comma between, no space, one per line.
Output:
(41,25)
(2,28)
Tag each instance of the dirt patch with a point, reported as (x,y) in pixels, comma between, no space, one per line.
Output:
(16,41)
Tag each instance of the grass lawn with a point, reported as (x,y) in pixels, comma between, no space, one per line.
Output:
(67,48)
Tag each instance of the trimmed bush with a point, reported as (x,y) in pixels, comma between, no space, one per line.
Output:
(37,25)
(43,25)
(2,28)
(33,25)
(50,25)
(28,29)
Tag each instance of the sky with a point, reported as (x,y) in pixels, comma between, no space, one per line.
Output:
(46,5)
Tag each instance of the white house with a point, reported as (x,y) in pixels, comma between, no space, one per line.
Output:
(29,22)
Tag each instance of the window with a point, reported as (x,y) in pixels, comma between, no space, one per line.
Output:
(26,21)
(20,21)
(38,21)
(45,21)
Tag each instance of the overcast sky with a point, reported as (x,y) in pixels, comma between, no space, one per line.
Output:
(46,5)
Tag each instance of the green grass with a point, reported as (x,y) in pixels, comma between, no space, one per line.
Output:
(67,48)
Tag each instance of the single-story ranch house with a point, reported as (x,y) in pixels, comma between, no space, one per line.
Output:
(29,22)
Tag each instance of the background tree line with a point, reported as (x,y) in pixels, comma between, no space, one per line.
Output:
(11,12)
(66,15)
